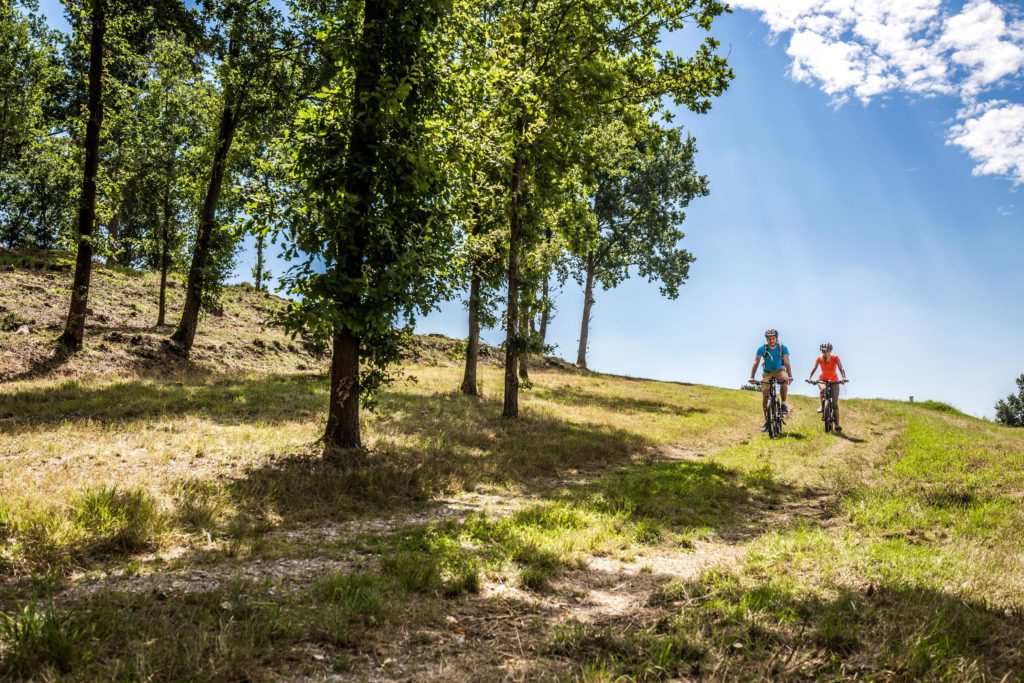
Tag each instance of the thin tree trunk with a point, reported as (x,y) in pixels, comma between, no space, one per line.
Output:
(588,301)
(545,301)
(469,384)
(115,236)
(525,323)
(545,307)
(74,330)
(510,407)
(259,261)
(165,255)
(185,334)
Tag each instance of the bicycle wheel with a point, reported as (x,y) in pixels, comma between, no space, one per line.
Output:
(774,418)
(826,415)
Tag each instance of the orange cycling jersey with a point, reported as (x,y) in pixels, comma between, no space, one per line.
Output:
(828,368)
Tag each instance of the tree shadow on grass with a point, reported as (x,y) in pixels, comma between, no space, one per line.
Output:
(226,400)
(425,446)
(622,404)
(41,366)
(765,629)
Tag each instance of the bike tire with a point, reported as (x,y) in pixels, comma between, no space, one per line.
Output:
(775,418)
(827,415)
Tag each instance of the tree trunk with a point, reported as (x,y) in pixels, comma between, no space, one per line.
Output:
(114,229)
(588,301)
(343,413)
(510,407)
(360,164)
(469,384)
(259,261)
(545,308)
(185,334)
(545,301)
(165,255)
(525,325)
(74,330)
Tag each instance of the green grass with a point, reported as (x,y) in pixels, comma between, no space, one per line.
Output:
(94,524)
(892,553)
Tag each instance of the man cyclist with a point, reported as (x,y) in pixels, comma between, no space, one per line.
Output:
(829,363)
(776,366)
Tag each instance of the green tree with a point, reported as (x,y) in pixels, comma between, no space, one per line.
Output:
(258,60)
(1010,411)
(268,195)
(638,202)
(35,160)
(559,67)
(175,113)
(93,16)
(375,230)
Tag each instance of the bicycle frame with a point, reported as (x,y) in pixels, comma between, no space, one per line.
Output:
(773,413)
(828,404)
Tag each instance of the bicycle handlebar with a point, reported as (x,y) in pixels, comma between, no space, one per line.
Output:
(826,381)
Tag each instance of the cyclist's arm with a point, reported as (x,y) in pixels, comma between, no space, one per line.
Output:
(817,362)
(840,364)
(753,370)
(789,368)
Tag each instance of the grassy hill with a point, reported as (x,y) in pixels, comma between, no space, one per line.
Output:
(171,520)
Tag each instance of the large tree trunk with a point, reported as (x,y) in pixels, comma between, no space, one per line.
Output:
(588,301)
(165,255)
(185,334)
(74,330)
(510,407)
(343,413)
(469,383)
(360,164)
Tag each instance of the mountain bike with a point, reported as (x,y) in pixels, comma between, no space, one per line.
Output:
(774,414)
(828,402)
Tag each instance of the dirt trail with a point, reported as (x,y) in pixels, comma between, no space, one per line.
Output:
(502,629)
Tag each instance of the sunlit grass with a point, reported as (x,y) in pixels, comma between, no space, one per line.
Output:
(894,552)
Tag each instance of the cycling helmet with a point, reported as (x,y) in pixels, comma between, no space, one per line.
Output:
(826,347)
(772,332)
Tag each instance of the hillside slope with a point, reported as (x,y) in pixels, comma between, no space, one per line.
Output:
(122,339)
(186,526)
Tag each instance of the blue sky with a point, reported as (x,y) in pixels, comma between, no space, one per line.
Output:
(863,168)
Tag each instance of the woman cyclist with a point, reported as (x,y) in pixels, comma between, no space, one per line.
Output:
(829,363)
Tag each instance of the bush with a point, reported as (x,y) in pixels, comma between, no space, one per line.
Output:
(1011,410)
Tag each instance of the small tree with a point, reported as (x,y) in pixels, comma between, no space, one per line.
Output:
(258,63)
(1010,411)
(638,203)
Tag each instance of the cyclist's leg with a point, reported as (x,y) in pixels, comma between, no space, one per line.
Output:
(783,378)
(835,406)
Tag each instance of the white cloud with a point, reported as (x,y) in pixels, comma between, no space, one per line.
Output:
(984,44)
(871,48)
(994,138)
